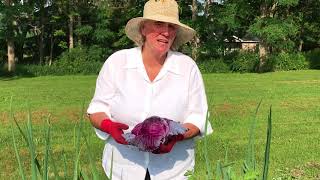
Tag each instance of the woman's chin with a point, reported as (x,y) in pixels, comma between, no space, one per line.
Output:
(163,48)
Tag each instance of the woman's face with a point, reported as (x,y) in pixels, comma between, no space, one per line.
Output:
(159,36)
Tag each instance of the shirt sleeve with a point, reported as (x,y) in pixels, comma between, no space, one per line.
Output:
(104,92)
(197,103)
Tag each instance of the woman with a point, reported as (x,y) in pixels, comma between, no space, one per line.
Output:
(150,80)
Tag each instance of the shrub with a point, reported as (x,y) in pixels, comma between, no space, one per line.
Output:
(2,68)
(245,62)
(37,70)
(32,70)
(213,66)
(79,60)
(285,61)
(97,54)
(313,57)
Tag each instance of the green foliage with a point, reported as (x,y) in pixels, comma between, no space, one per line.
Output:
(245,62)
(59,32)
(208,165)
(294,96)
(79,60)
(213,66)
(250,161)
(33,70)
(42,170)
(63,45)
(58,70)
(228,17)
(83,30)
(224,169)
(288,2)
(267,147)
(101,24)
(285,61)
(313,57)
(272,31)
(309,22)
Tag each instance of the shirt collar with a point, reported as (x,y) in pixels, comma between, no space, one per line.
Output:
(134,58)
(170,65)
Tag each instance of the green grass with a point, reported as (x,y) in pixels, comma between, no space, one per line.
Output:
(294,96)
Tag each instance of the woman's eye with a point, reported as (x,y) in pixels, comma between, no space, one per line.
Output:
(172,26)
(158,23)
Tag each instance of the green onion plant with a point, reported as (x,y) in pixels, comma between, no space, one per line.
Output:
(41,169)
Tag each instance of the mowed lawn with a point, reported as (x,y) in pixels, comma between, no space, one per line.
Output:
(233,98)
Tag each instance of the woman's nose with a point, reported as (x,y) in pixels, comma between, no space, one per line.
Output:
(166,29)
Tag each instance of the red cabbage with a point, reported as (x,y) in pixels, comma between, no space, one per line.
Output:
(148,135)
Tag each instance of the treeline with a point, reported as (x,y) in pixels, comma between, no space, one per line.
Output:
(75,36)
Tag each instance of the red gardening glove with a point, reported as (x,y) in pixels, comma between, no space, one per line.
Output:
(167,146)
(115,130)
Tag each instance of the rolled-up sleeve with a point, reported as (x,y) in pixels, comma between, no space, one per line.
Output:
(104,92)
(197,103)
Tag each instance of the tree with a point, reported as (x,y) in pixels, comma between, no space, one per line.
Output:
(274,24)
(308,19)
(41,35)
(9,24)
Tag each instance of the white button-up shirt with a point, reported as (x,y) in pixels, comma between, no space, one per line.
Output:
(126,94)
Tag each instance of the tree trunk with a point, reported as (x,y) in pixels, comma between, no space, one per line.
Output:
(79,25)
(301,42)
(51,49)
(206,7)
(10,45)
(300,45)
(71,21)
(262,55)
(11,55)
(195,40)
(263,48)
(41,43)
(194,10)
(195,46)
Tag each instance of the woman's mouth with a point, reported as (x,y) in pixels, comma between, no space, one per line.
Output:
(164,41)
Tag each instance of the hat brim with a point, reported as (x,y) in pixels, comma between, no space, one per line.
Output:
(184,32)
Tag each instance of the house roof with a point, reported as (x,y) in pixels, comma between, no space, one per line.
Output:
(245,39)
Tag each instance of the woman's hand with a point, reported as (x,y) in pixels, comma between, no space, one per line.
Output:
(167,147)
(101,121)
(192,131)
(115,130)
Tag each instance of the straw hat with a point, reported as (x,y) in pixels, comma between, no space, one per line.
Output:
(164,11)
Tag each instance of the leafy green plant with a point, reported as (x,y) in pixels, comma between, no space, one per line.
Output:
(267,148)
(249,165)
(213,66)
(224,169)
(313,57)
(245,62)
(41,170)
(285,61)
(208,165)
(79,60)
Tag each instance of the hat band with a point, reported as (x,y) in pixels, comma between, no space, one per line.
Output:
(163,19)
(169,13)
